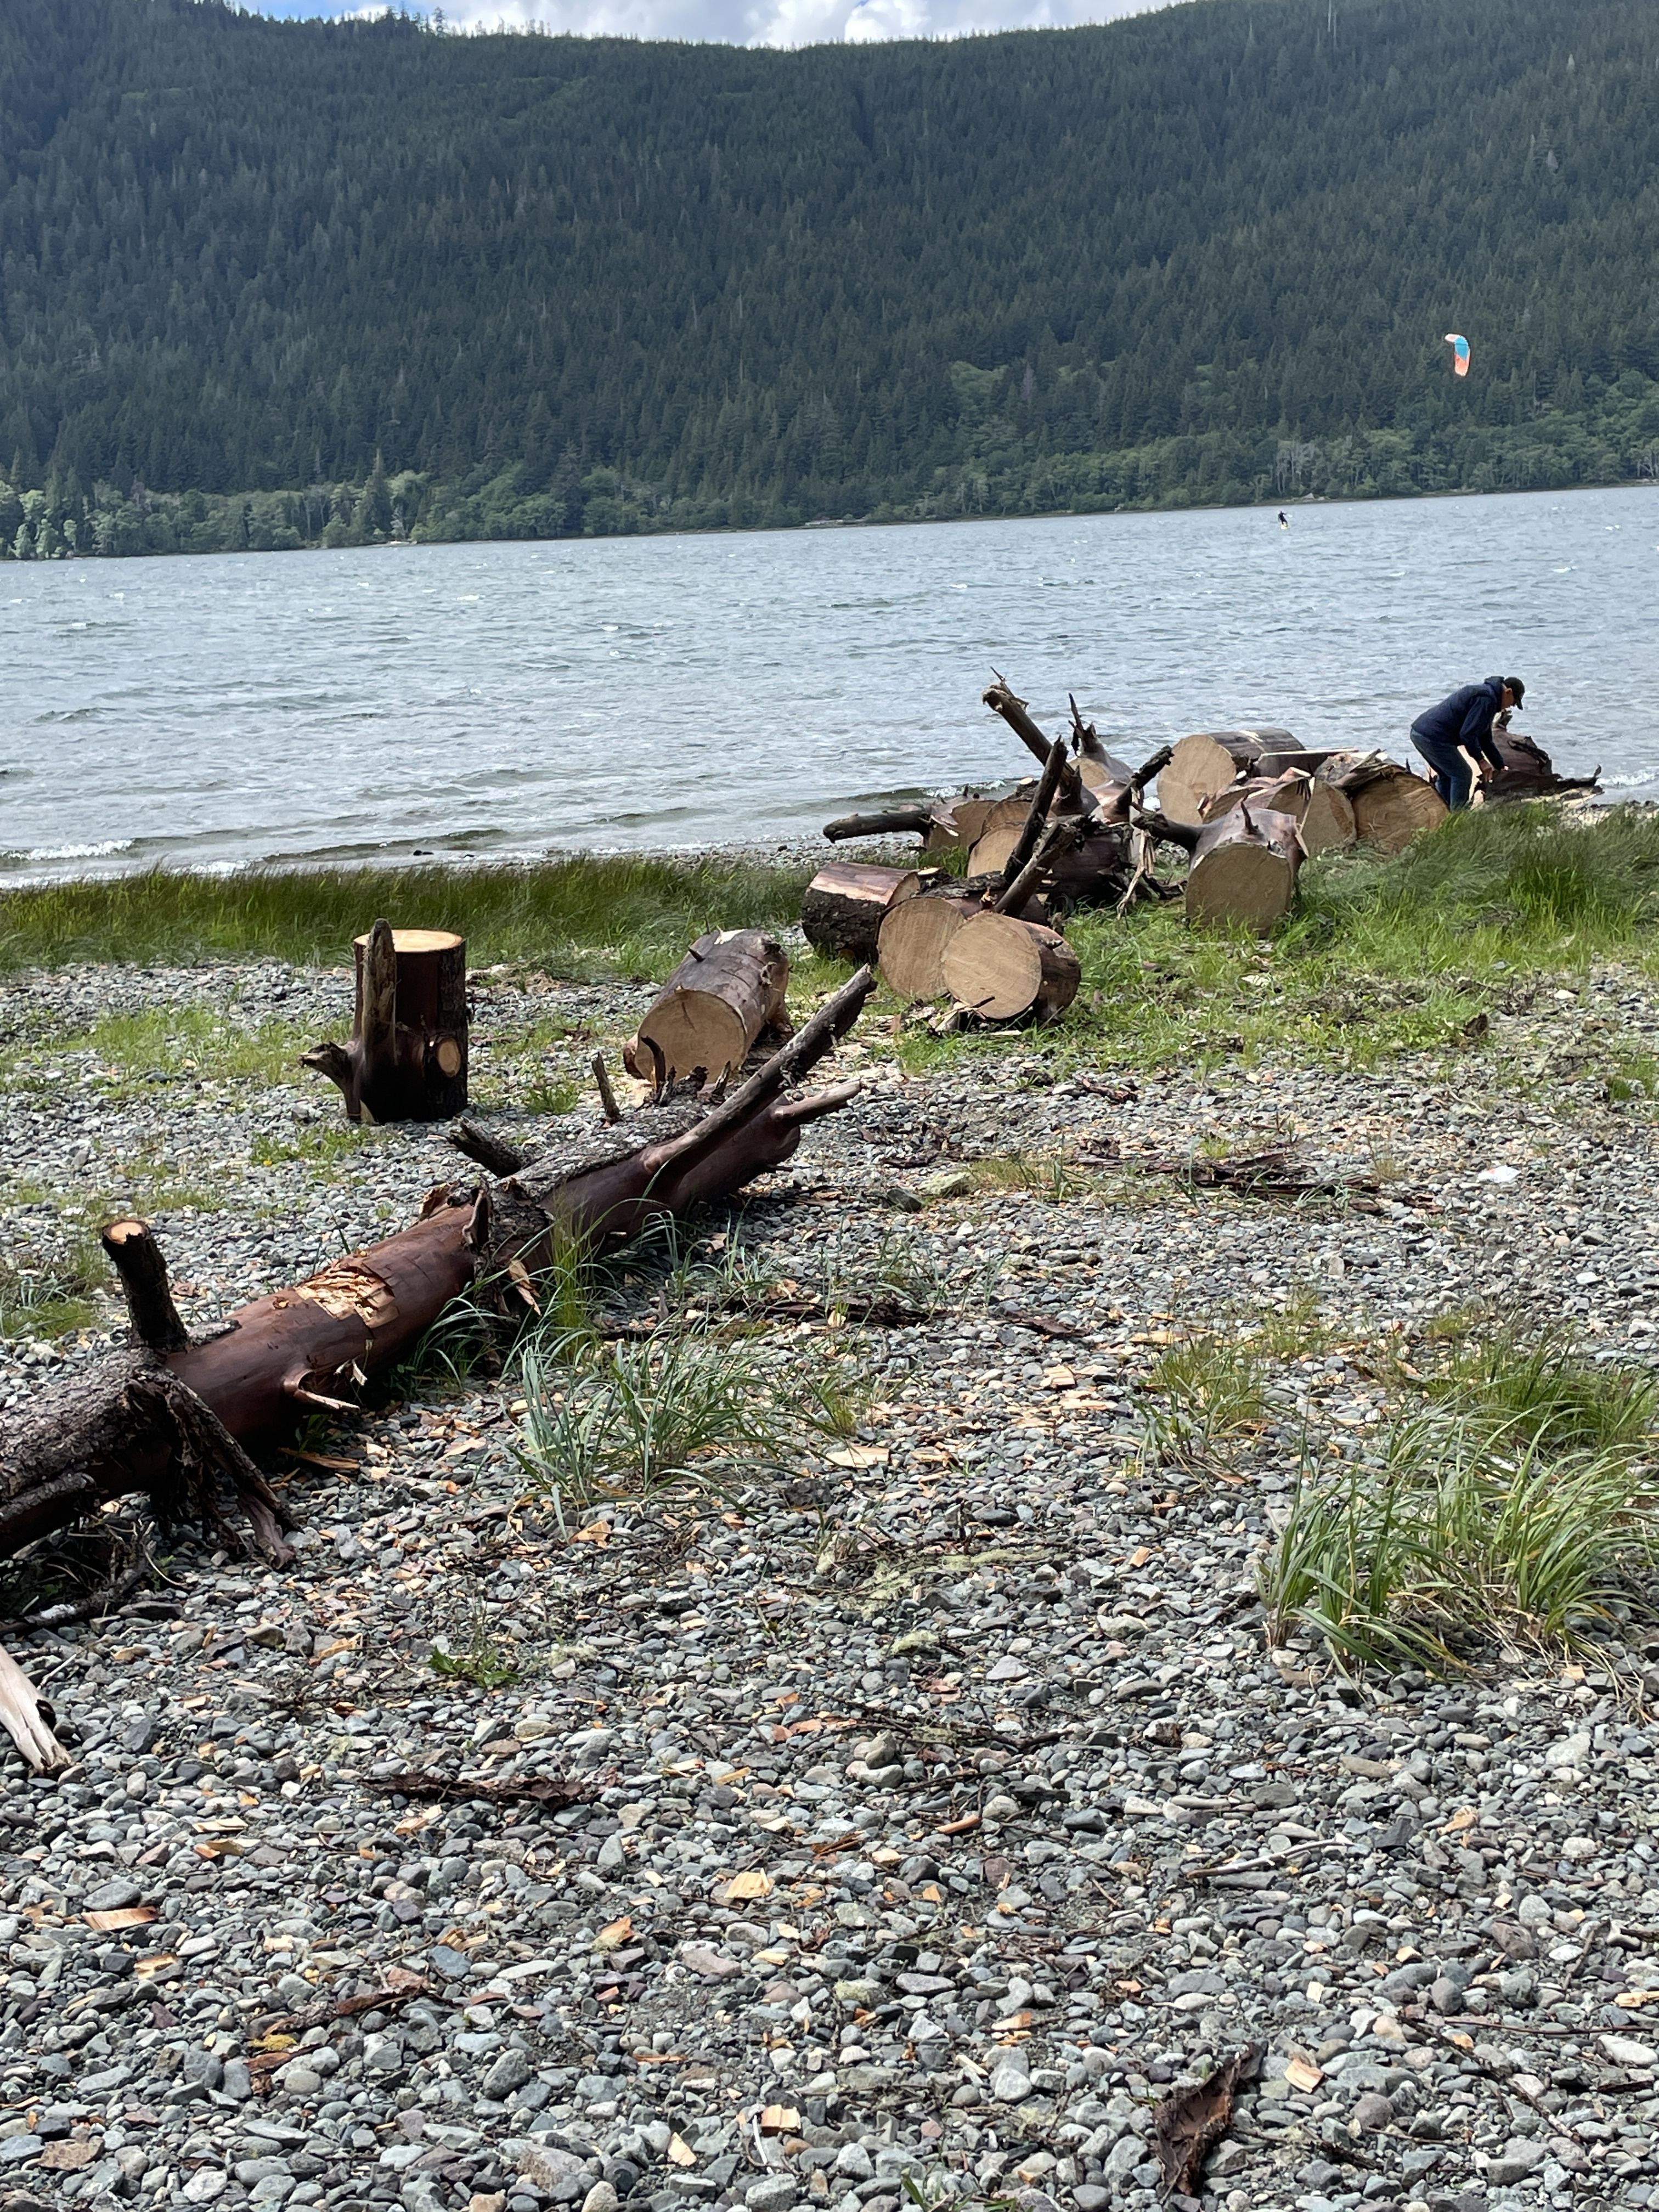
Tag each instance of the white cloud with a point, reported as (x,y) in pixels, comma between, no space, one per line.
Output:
(754,22)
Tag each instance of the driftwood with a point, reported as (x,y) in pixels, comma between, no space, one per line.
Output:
(1203,765)
(1002,968)
(407,1058)
(727,990)
(1528,772)
(1391,804)
(1244,869)
(888,822)
(168,1424)
(1321,811)
(844,906)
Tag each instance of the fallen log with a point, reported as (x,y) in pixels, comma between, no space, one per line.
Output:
(1002,968)
(1321,811)
(1528,772)
(845,905)
(728,989)
(407,1058)
(1243,869)
(1202,766)
(890,822)
(1391,804)
(169,1424)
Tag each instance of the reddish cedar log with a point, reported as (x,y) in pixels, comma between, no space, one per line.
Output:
(845,905)
(1243,869)
(407,1058)
(914,937)
(1203,765)
(1322,812)
(729,989)
(1391,804)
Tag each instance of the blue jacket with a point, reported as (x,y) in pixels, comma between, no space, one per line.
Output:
(1465,719)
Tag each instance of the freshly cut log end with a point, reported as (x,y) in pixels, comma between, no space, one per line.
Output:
(1000,969)
(134,1253)
(845,905)
(1327,820)
(1322,812)
(407,1058)
(1203,765)
(1391,806)
(961,822)
(911,949)
(994,848)
(730,987)
(1243,870)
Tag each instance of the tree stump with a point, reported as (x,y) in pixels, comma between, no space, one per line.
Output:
(728,989)
(845,905)
(1244,868)
(1000,969)
(1203,765)
(407,1058)
(911,947)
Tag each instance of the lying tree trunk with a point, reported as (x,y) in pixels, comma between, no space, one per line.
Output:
(1528,772)
(168,1424)
(407,1058)
(730,987)
(844,906)
(1391,804)
(892,822)
(1000,969)
(1244,869)
(914,936)
(1321,811)
(1203,765)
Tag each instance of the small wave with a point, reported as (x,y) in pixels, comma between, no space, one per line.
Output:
(100,851)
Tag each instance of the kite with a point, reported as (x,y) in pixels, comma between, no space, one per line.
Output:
(1460,347)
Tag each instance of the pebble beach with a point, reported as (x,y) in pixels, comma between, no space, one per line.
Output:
(943,1805)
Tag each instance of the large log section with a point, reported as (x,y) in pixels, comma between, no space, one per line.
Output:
(844,906)
(1203,765)
(728,990)
(1244,868)
(166,1417)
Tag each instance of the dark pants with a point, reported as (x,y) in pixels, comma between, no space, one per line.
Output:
(1448,771)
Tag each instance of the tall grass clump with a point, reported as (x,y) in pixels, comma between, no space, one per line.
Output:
(1522,1504)
(585,914)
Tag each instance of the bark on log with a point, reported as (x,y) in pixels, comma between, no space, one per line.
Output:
(1322,812)
(407,1058)
(134,1422)
(1391,804)
(132,1251)
(1244,869)
(1001,969)
(1208,762)
(914,938)
(845,905)
(729,987)
(890,822)
(1528,772)
(1036,815)
(963,820)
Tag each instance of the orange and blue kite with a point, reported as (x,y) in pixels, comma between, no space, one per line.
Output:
(1460,347)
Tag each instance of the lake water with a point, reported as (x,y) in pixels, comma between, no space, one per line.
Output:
(501,700)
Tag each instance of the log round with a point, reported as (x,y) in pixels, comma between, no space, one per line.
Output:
(1000,969)
(845,905)
(1203,765)
(1321,811)
(914,937)
(729,987)
(1243,869)
(1391,804)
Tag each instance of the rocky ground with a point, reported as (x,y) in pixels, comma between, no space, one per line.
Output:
(945,1806)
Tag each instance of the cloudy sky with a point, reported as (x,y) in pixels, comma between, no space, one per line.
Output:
(754,22)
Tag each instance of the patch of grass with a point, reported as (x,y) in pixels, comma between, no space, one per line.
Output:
(1634,1075)
(1545,1393)
(1293,1330)
(316,1143)
(482,1664)
(170,1042)
(42,1298)
(835,1396)
(1463,1535)
(1213,1387)
(680,1408)
(584,916)
(1044,1173)
(557,1095)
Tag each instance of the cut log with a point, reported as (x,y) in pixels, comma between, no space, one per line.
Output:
(1391,804)
(1001,969)
(729,987)
(1204,764)
(1529,773)
(407,1058)
(891,822)
(1243,869)
(915,937)
(845,905)
(1322,812)
(1001,700)
(169,1428)
(963,819)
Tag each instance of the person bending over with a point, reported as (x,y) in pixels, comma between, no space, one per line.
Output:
(1460,726)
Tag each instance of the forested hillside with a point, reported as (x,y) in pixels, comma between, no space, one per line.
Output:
(264,282)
